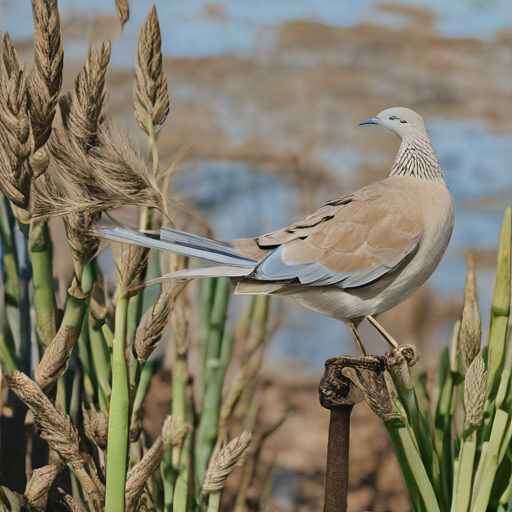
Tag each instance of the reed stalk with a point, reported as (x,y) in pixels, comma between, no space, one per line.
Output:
(117,448)
(218,353)
(8,253)
(500,305)
(44,297)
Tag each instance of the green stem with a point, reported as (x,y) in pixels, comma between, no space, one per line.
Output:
(500,307)
(8,253)
(7,345)
(154,154)
(44,298)
(489,463)
(214,501)
(412,468)
(118,425)
(218,354)
(462,493)
(171,462)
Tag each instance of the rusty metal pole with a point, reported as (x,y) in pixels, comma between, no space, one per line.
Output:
(338,394)
(336,473)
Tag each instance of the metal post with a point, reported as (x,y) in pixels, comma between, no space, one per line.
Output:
(336,474)
(338,394)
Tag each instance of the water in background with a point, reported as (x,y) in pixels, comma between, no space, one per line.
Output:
(206,28)
(476,159)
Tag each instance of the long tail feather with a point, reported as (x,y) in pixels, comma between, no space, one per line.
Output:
(194,273)
(179,242)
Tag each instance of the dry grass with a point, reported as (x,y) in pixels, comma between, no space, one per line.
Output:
(150,95)
(155,319)
(15,132)
(123,11)
(227,460)
(46,77)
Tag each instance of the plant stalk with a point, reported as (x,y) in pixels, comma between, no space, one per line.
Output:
(44,297)
(118,425)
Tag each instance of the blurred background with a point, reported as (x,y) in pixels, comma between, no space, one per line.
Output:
(266,98)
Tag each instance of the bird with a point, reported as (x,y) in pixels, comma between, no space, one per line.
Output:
(356,257)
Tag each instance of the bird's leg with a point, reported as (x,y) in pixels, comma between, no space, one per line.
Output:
(389,339)
(353,330)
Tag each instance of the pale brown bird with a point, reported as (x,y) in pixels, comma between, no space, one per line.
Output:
(354,258)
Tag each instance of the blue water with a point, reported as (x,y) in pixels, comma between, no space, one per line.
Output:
(210,28)
(476,161)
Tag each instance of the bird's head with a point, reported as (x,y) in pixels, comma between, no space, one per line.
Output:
(400,120)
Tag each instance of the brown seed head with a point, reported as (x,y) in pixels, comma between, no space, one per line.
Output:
(470,334)
(179,318)
(54,426)
(56,429)
(38,487)
(15,133)
(130,261)
(46,79)
(227,460)
(142,471)
(88,97)
(123,11)
(136,424)
(56,356)
(475,393)
(96,426)
(107,176)
(150,94)
(155,319)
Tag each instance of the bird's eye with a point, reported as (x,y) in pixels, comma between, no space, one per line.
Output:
(392,118)
(403,121)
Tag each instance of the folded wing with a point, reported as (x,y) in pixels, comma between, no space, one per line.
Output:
(351,241)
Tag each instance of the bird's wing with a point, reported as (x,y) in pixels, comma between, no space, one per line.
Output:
(351,241)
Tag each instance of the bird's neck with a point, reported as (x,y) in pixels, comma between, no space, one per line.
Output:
(416,158)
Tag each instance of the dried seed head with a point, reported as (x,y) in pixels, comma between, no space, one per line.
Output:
(54,426)
(82,244)
(46,79)
(231,456)
(130,261)
(234,393)
(475,393)
(39,161)
(15,133)
(38,487)
(84,108)
(150,94)
(120,172)
(123,11)
(56,356)
(107,176)
(470,335)
(69,503)
(174,430)
(378,389)
(155,319)
(179,318)
(96,426)
(136,425)
(142,471)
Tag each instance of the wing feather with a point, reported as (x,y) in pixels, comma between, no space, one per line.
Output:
(351,242)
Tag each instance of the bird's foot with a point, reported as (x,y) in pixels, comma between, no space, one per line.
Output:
(358,339)
(408,353)
(387,337)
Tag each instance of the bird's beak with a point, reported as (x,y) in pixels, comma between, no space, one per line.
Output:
(372,120)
